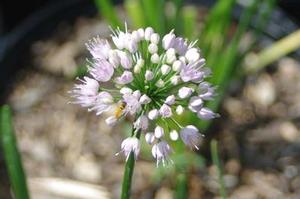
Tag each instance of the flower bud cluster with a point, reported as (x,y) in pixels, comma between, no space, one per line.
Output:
(154,79)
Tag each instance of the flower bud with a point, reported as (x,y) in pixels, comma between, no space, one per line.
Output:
(141,33)
(179,110)
(126,90)
(158,132)
(153,114)
(137,94)
(170,100)
(155,58)
(195,104)
(141,123)
(177,65)
(160,83)
(149,137)
(113,58)
(140,62)
(174,135)
(131,46)
(168,40)
(135,36)
(171,59)
(165,111)
(165,69)
(207,114)
(149,75)
(148,32)
(125,78)
(185,92)
(175,79)
(125,60)
(192,55)
(154,38)
(137,69)
(152,48)
(145,99)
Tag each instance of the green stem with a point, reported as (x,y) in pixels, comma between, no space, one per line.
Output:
(181,186)
(12,155)
(128,172)
(127,178)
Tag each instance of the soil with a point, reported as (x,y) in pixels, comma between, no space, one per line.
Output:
(67,150)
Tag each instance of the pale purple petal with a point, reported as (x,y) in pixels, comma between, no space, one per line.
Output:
(141,123)
(193,71)
(161,152)
(195,104)
(185,92)
(165,111)
(103,103)
(101,70)
(132,103)
(99,48)
(125,59)
(190,136)
(131,144)
(207,114)
(125,78)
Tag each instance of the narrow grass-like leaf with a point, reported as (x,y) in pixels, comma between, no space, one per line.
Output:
(213,34)
(181,186)
(274,52)
(154,14)
(135,12)
(217,163)
(224,69)
(107,10)
(189,17)
(178,17)
(12,155)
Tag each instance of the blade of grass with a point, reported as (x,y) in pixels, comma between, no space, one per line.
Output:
(181,186)
(274,52)
(228,60)
(154,14)
(135,12)
(178,18)
(189,17)
(217,163)
(217,23)
(107,10)
(12,155)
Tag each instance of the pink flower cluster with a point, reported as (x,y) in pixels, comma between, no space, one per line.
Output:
(153,80)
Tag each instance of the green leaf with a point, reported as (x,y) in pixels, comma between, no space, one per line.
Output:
(135,12)
(106,9)
(12,156)
(155,14)
(189,17)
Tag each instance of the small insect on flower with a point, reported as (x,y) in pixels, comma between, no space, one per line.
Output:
(120,109)
(155,79)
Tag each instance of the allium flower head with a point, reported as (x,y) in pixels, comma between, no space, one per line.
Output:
(152,78)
